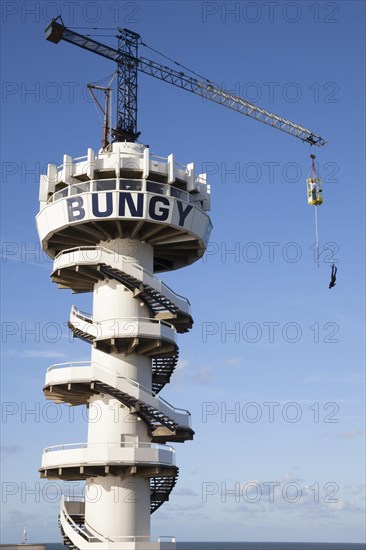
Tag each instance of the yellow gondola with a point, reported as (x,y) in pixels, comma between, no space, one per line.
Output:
(314,190)
(314,186)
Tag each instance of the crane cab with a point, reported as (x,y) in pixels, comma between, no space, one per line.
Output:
(314,191)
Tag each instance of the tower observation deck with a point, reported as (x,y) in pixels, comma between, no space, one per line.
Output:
(110,221)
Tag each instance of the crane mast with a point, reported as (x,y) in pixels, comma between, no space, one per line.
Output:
(129,63)
(126,128)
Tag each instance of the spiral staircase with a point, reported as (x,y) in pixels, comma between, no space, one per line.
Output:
(109,221)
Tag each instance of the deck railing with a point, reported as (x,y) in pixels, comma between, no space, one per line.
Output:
(141,186)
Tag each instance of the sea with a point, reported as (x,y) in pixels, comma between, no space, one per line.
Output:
(241,546)
(253,546)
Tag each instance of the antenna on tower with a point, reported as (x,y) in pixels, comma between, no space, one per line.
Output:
(106,137)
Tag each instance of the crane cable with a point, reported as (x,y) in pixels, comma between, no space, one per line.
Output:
(313,175)
(317,257)
(177,63)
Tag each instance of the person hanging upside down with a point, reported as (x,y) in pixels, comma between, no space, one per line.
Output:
(333,276)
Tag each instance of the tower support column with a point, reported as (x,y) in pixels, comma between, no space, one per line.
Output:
(119,507)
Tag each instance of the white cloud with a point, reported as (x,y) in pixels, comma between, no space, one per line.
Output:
(34,353)
(203,375)
(184,492)
(41,264)
(345,506)
(10,449)
(355,489)
(233,361)
(350,434)
(181,365)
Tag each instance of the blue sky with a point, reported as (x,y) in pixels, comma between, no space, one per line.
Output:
(305,61)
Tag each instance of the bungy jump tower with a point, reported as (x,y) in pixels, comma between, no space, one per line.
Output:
(110,221)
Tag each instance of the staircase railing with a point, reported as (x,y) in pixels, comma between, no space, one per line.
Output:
(173,410)
(132,269)
(72,530)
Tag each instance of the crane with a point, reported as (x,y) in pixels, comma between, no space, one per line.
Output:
(129,63)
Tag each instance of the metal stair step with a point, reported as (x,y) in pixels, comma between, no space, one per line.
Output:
(152,297)
(148,413)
